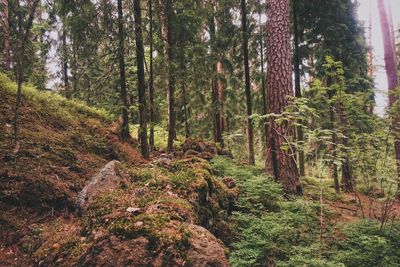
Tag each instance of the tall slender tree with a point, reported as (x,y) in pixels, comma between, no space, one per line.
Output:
(245,44)
(6,36)
(393,82)
(279,82)
(24,32)
(144,146)
(151,78)
(169,32)
(297,85)
(122,83)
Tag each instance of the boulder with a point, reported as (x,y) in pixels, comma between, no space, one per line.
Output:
(106,179)
(205,249)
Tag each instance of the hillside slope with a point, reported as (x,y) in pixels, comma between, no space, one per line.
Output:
(158,209)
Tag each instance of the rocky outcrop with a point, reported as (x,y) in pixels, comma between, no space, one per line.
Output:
(205,250)
(105,180)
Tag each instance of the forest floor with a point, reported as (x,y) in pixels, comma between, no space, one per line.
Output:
(173,210)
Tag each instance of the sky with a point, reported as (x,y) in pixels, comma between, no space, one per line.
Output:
(367,7)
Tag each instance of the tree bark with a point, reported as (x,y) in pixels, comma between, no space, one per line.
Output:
(151,79)
(6,36)
(169,13)
(279,82)
(121,55)
(297,86)
(250,134)
(183,85)
(144,146)
(216,84)
(393,82)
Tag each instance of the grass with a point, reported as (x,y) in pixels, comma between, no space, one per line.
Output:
(64,107)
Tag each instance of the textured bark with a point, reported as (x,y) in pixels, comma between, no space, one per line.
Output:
(279,82)
(250,134)
(121,56)
(151,79)
(391,73)
(6,36)
(297,86)
(168,32)
(216,84)
(24,35)
(144,146)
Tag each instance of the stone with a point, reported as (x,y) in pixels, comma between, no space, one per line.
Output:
(205,249)
(105,180)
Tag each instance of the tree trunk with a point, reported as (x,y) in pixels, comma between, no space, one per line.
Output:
(151,82)
(393,82)
(250,134)
(183,74)
(24,34)
(279,82)
(169,13)
(144,146)
(215,83)
(333,166)
(65,60)
(297,86)
(121,55)
(6,36)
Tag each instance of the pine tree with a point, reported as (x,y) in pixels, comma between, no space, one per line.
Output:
(279,82)
(121,56)
(144,146)
(393,82)
(250,133)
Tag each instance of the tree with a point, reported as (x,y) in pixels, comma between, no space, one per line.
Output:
(216,83)
(279,82)
(144,146)
(121,56)
(250,134)
(297,85)
(151,78)
(393,82)
(6,36)
(169,31)
(24,31)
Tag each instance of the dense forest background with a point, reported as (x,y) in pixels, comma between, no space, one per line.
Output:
(286,86)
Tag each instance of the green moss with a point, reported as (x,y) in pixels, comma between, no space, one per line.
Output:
(53,103)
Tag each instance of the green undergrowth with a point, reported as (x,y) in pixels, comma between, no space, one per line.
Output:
(274,231)
(48,101)
(167,200)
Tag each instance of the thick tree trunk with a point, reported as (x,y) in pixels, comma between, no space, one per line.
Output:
(6,36)
(250,134)
(24,34)
(297,86)
(169,13)
(121,55)
(151,78)
(144,146)
(393,82)
(279,82)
